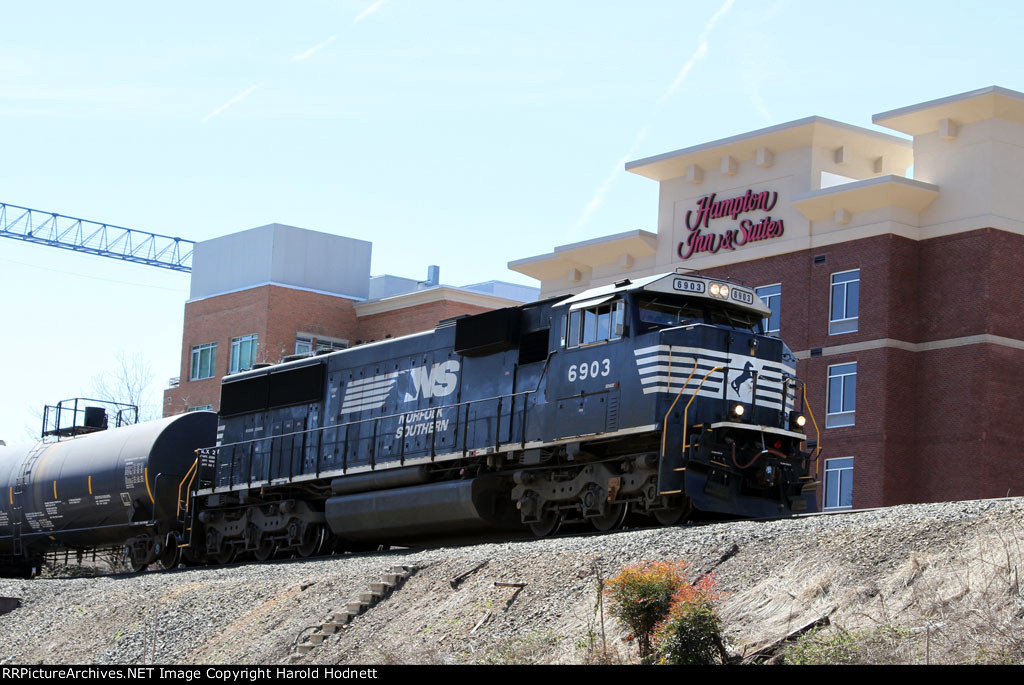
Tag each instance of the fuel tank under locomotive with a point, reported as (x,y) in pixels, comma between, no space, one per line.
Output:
(100,489)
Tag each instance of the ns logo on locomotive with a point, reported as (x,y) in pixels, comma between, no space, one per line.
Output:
(656,397)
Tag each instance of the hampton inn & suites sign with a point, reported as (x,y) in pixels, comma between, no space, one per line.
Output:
(709,208)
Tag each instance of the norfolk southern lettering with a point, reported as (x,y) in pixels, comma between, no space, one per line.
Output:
(748,231)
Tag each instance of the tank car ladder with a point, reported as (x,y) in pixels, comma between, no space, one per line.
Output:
(18,489)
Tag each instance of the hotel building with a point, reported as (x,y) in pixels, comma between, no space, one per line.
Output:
(891,263)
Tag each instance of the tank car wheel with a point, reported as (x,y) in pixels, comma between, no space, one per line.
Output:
(612,519)
(170,553)
(548,524)
(312,539)
(677,513)
(138,567)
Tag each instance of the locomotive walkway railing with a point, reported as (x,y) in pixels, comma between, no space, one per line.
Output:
(211,461)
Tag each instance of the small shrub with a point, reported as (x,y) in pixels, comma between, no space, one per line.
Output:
(886,644)
(641,595)
(692,633)
(816,648)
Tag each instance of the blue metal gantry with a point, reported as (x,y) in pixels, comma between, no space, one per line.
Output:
(82,235)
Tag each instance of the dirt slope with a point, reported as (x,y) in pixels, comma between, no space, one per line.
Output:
(936,582)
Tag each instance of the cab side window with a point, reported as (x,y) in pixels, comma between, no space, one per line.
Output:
(597,323)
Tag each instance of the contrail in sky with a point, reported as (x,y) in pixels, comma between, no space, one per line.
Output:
(297,58)
(616,171)
(368,11)
(313,50)
(235,100)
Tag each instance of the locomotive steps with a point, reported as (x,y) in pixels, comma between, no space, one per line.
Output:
(378,591)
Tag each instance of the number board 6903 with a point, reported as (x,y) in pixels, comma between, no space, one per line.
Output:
(687,286)
(585,370)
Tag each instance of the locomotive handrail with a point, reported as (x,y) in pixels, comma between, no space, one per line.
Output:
(215,450)
(210,450)
(817,432)
(194,467)
(686,411)
(664,423)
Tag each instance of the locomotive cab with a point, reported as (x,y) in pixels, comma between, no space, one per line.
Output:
(732,440)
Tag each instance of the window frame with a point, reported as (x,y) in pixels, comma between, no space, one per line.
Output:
(195,369)
(776,311)
(317,343)
(845,475)
(839,326)
(577,321)
(844,412)
(236,347)
(308,341)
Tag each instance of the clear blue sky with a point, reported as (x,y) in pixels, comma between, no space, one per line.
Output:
(458,133)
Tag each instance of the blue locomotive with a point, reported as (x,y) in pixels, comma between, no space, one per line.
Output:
(654,397)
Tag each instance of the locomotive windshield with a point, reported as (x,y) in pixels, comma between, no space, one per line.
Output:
(668,311)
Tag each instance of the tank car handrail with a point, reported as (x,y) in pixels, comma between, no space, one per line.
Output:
(51,532)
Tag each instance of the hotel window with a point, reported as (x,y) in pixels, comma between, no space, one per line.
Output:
(771,295)
(303,345)
(243,353)
(842,395)
(595,324)
(330,344)
(838,483)
(204,362)
(843,304)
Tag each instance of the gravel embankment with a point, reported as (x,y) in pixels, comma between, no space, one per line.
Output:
(909,565)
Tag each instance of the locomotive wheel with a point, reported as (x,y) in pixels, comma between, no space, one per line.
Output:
(225,555)
(612,519)
(265,550)
(675,514)
(138,567)
(547,525)
(312,539)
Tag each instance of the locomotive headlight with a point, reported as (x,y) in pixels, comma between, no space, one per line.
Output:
(738,410)
(714,290)
(801,420)
(724,291)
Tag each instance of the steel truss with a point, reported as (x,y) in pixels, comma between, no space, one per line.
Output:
(105,240)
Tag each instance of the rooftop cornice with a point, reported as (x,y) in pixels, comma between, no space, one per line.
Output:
(964,108)
(790,135)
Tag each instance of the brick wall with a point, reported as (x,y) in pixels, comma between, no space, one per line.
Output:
(412,319)
(273,313)
(276,314)
(931,424)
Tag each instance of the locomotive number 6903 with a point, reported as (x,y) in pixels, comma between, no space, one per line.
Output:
(585,370)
